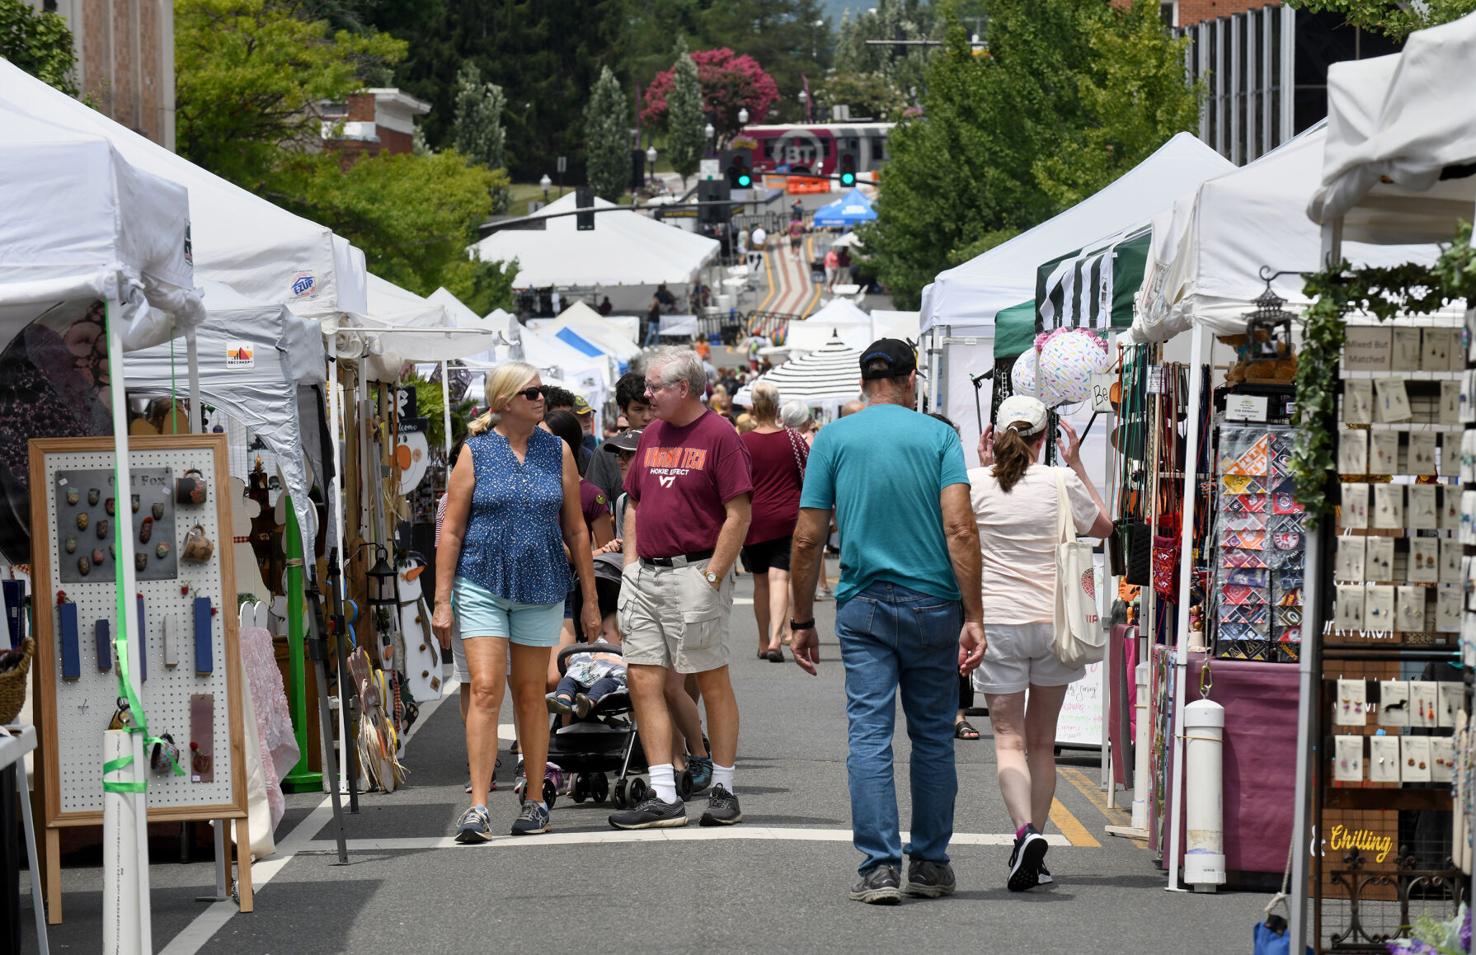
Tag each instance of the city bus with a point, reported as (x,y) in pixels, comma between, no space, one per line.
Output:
(815,149)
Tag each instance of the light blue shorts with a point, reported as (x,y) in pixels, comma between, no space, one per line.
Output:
(481,613)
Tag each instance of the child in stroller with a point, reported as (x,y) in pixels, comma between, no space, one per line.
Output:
(590,677)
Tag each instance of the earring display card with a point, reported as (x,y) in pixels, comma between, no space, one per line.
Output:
(1388,507)
(1383,452)
(1355,506)
(1424,560)
(1368,348)
(1422,699)
(1393,703)
(1348,609)
(1448,698)
(1380,560)
(1450,562)
(1378,607)
(1420,457)
(1348,759)
(1383,759)
(1406,356)
(1450,402)
(1435,350)
(1348,564)
(1415,753)
(1448,608)
(1424,508)
(1358,402)
(1351,707)
(1409,615)
(1353,453)
(1391,404)
(1442,758)
(86,509)
(1450,508)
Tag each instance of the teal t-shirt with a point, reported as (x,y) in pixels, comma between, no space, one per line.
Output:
(882,469)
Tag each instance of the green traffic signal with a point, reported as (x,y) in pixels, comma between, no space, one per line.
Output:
(848,178)
(744,180)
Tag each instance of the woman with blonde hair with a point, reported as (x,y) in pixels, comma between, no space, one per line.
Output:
(513,507)
(1016,505)
(778,467)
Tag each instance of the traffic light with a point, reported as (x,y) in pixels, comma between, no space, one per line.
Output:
(738,168)
(745,176)
(716,191)
(847,170)
(584,198)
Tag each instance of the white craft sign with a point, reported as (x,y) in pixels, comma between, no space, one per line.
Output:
(1245,407)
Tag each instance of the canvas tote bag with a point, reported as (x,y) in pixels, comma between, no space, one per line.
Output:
(1079,636)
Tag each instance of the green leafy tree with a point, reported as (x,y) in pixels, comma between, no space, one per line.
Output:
(250,75)
(607,137)
(870,95)
(482,286)
(476,131)
(38,43)
(903,67)
(686,139)
(1134,101)
(1396,19)
(969,173)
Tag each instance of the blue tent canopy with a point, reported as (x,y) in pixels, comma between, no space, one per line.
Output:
(851,209)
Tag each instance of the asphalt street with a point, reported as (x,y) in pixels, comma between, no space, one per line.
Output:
(777,882)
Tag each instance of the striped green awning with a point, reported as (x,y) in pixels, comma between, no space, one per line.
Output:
(1092,286)
(1014,330)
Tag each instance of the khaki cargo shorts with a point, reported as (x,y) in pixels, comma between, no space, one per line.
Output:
(672,617)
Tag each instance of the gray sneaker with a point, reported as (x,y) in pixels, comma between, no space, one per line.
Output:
(929,880)
(532,820)
(879,886)
(475,826)
(654,813)
(722,808)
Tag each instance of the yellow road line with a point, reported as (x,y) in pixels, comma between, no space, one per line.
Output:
(1087,786)
(809,256)
(1071,827)
(769,275)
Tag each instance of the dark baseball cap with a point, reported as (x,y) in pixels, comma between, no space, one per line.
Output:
(624,441)
(899,357)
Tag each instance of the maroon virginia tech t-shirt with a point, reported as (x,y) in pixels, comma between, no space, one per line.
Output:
(680,479)
(776,483)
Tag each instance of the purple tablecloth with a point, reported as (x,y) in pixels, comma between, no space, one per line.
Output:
(1260,701)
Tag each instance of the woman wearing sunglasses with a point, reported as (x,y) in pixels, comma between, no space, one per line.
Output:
(513,508)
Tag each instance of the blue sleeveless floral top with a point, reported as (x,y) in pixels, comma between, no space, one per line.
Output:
(514,544)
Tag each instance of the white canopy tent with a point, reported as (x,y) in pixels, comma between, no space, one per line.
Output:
(1397,167)
(614,337)
(104,270)
(404,327)
(889,323)
(238,239)
(1207,252)
(966,298)
(839,318)
(623,249)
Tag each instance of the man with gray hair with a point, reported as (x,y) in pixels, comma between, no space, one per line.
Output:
(689,489)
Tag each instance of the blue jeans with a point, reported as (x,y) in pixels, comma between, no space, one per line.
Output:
(893,638)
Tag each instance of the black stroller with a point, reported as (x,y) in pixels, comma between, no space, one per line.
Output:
(604,742)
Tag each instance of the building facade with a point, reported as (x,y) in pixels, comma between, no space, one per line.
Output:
(125,60)
(371,122)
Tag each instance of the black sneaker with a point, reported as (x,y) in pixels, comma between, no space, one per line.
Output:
(1044,877)
(722,808)
(474,826)
(1030,849)
(879,886)
(532,820)
(929,880)
(654,813)
(558,703)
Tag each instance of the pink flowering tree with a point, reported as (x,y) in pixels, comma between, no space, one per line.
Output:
(730,82)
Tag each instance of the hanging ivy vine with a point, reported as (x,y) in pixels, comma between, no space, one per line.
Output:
(1337,292)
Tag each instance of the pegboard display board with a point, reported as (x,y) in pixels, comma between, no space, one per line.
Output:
(191,664)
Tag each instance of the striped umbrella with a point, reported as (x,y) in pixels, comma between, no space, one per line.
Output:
(829,375)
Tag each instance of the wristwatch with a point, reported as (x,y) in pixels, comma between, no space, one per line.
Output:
(711,577)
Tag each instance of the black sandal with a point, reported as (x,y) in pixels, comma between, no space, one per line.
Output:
(963,729)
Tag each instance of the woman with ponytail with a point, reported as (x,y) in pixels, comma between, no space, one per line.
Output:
(1015,503)
(512,508)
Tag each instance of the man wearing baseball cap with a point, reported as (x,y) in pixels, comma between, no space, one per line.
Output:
(909,614)
(585,414)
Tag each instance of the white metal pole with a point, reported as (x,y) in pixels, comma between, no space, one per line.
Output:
(446,411)
(192,358)
(1186,566)
(335,435)
(133,869)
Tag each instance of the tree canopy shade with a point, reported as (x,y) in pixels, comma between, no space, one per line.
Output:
(730,82)
(1071,94)
(1392,18)
(38,43)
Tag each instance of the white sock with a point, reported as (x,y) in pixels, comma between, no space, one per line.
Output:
(663,782)
(722,776)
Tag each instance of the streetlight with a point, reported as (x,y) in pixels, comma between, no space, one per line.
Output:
(545,182)
(651,162)
(708,131)
(743,117)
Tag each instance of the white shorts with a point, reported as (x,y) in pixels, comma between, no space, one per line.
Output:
(1018,656)
(458,654)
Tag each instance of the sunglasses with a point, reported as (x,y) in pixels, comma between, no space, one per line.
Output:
(532,394)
